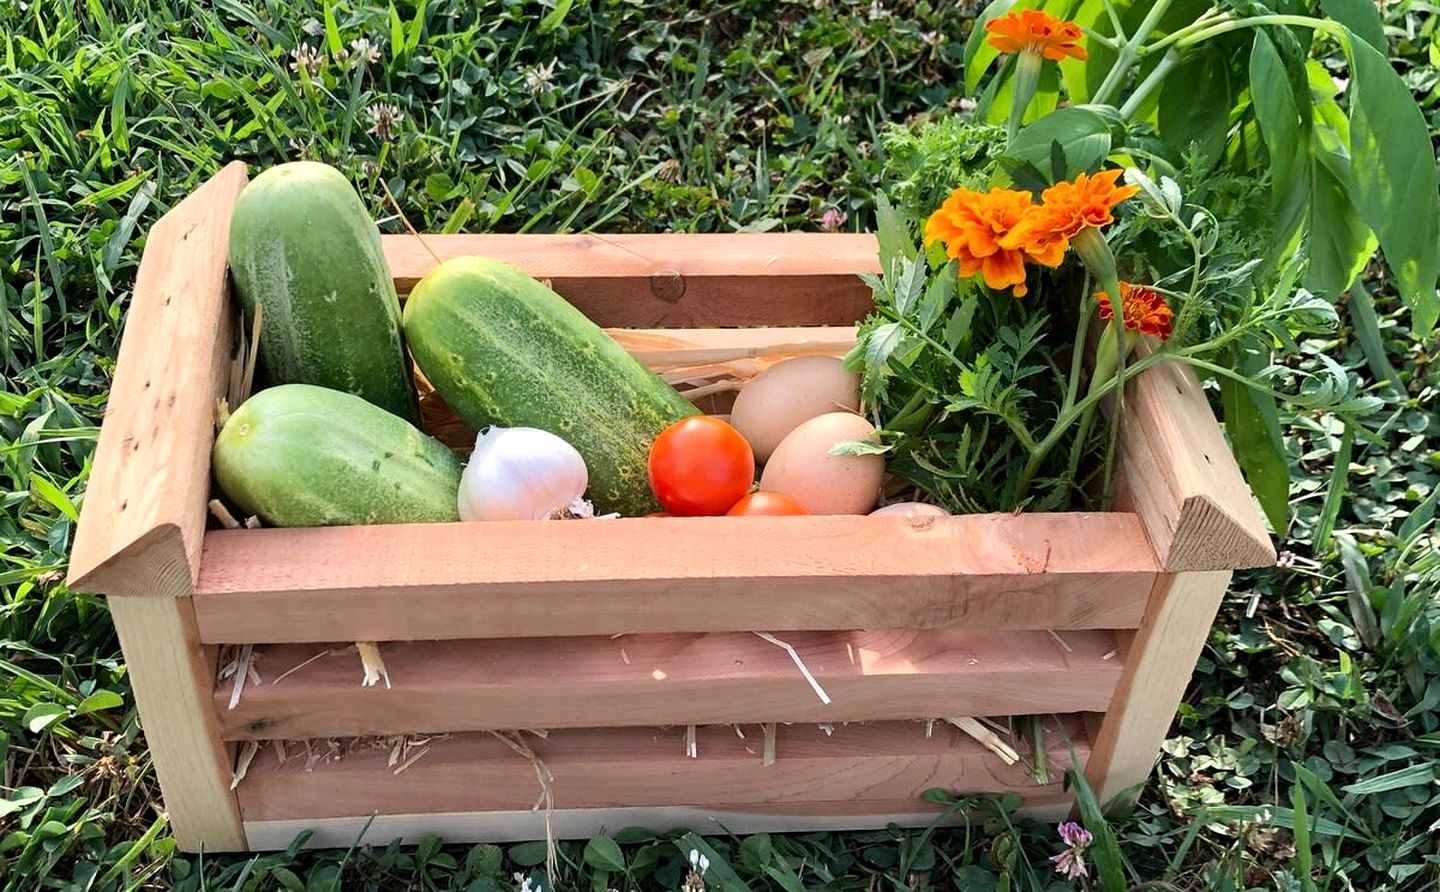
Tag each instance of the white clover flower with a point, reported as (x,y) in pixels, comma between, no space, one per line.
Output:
(306,58)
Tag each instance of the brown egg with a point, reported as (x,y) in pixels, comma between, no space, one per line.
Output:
(910,509)
(788,394)
(803,469)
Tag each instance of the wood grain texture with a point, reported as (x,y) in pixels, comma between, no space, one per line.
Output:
(172,676)
(886,762)
(675,280)
(1159,660)
(520,826)
(649,680)
(143,518)
(143,515)
(693,574)
(1178,474)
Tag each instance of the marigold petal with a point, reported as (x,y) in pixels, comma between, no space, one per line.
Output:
(1035,31)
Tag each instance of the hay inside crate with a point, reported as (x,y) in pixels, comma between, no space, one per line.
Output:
(1095,618)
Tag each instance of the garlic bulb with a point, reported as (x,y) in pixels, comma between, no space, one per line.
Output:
(520,473)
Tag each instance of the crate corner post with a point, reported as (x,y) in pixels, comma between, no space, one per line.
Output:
(143,517)
(1178,475)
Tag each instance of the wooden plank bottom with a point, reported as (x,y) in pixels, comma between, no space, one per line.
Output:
(656,680)
(818,770)
(520,826)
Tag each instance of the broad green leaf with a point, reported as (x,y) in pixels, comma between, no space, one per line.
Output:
(1357,583)
(417,25)
(1420,518)
(1413,776)
(556,17)
(48,492)
(1083,132)
(1334,494)
(1395,181)
(98,701)
(1195,107)
(603,853)
(332,30)
(1367,332)
(1258,449)
(41,715)
(1278,114)
(1304,857)
(1362,17)
(397,33)
(1339,243)
(528,854)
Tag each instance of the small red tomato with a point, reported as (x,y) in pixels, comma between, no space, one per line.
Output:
(700,465)
(766,504)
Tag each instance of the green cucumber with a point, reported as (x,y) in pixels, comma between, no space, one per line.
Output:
(297,455)
(303,247)
(503,349)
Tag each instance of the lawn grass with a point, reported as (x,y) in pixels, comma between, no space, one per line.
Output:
(1311,708)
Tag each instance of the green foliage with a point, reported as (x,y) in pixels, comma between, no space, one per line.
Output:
(627,116)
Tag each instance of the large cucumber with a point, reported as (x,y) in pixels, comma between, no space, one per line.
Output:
(303,247)
(298,455)
(503,349)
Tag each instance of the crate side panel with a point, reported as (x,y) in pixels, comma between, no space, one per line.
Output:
(680,679)
(143,517)
(674,280)
(607,768)
(654,575)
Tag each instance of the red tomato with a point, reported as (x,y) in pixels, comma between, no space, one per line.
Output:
(700,465)
(766,504)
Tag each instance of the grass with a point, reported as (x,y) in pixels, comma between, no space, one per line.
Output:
(1307,753)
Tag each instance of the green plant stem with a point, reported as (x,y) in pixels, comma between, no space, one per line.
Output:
(1022,90)
(1185,41)
(1021,434)
(1082,334)
(1077,411)
(1151,81)
(1213,15)
(1130,53)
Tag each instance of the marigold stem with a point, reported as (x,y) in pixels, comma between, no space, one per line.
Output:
(1023,87)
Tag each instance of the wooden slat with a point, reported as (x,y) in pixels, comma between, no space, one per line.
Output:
(651,680)
(640,767)
(675,280)
(651,575)
(143,517)
(1160,658)
(519,826)
(1178,474)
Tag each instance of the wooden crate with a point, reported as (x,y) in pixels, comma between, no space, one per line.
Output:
(617,635)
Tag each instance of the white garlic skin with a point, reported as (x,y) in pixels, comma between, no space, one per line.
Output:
(520,473)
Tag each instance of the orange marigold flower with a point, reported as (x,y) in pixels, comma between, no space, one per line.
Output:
(1067,208)
(1033,31)
(1144,310)
(973,224)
